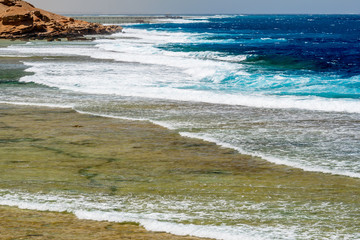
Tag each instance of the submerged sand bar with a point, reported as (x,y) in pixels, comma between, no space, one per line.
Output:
(55,151)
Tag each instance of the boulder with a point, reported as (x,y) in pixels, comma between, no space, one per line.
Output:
(7,2)
(21,20)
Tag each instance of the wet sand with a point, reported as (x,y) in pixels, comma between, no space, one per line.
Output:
(51,150)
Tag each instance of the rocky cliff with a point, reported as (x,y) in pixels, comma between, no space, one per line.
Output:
(19,19)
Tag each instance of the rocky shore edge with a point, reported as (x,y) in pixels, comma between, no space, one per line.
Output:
(21,20)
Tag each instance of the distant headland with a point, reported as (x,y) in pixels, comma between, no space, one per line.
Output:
(21,20)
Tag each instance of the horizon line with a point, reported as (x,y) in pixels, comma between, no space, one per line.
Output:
(203,14)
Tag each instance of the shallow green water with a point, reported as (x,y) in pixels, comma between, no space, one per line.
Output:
(115,170)
(110,169)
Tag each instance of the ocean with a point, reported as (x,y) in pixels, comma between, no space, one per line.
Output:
(285,88)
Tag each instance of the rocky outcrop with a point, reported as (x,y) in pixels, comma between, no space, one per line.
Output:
(19,19)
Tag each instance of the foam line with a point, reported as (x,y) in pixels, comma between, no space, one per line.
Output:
(205,138)
(87,208)
(271,158)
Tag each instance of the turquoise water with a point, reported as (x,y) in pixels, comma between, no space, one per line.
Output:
(285,88)
(282,87)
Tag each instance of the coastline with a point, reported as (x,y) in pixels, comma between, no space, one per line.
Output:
(29,224)
(75,146)
(19,222)
(59,151)
(22,20)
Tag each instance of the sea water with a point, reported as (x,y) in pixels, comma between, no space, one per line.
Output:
(282,87)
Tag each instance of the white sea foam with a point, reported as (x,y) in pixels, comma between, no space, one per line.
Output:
(101,208)
(217,232)
(184,20)
(178,78)
(41,49)
(168,85)
(50,105)
(279,161)
(220,16)
(159,123)
(142,69)
(208,137)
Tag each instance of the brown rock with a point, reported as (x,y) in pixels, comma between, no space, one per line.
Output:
(7,2)
(19,19)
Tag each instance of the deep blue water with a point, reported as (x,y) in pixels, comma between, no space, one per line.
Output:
(285,88)
(297,75)
(323,48)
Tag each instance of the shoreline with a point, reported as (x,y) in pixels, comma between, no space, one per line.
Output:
(20,19)
(268,159)
(221,146)
(19,223)
(58,151)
